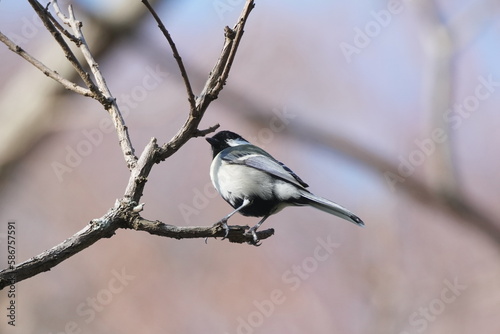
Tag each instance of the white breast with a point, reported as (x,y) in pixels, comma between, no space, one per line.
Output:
(239,181)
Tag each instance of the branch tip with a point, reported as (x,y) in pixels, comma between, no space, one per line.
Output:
(203,133)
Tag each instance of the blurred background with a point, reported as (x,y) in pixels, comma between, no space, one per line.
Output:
(389,108)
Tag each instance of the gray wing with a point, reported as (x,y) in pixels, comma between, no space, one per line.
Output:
(257,158)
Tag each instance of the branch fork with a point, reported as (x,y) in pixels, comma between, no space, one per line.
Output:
(125,213)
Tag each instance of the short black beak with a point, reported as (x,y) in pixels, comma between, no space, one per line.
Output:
(212,141)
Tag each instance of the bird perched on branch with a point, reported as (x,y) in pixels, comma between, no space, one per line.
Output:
(256,184)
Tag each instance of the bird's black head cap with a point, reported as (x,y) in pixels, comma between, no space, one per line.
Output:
(223,139)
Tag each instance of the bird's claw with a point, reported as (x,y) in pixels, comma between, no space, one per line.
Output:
(223,224)
(256,241)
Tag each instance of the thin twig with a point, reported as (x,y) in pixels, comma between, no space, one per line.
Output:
(213,86)
(60,14)
(219,73)
(238,34)
(44,69)
(47,19)
(56,23)
(105,96)
(21,135)
(177,57)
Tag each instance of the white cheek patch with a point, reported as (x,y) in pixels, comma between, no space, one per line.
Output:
(236,142)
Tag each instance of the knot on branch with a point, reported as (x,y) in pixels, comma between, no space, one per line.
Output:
(229,33)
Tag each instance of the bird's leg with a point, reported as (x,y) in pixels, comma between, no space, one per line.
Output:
(223,221)
(254,228)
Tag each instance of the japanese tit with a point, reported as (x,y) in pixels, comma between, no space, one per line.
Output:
(256,184)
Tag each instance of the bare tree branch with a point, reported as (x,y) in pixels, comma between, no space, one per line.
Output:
(97,229)
(177,57)
(104,95)
(125,213)
(44,69)
(121,216)
(32,120)
(236,232)
(213,86)
(47,20)
(220,72)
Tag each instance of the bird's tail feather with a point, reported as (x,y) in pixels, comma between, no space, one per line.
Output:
(332,208)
